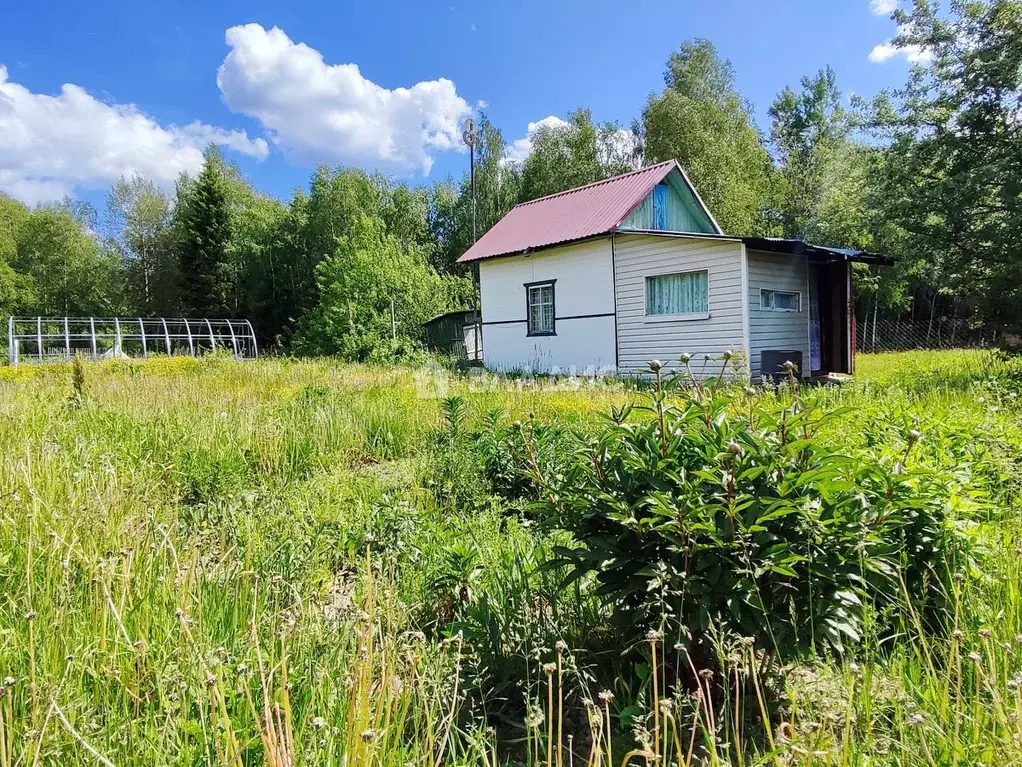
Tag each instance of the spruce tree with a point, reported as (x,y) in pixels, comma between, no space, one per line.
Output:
(206,273)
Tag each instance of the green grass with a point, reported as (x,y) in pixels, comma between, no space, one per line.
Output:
(223,563)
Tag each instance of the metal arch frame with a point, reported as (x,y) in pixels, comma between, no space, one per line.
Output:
(56,338)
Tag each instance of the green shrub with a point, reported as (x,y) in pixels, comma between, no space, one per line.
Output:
(708,509)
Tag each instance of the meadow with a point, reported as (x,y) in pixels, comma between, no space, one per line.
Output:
(303,562)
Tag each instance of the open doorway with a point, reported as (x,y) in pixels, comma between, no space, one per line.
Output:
(830,349)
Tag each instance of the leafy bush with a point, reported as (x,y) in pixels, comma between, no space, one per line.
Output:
(705,509)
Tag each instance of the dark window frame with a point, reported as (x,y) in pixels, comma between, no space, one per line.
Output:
(529,332)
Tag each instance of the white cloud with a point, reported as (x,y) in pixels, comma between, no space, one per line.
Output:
(518,150)
(51,145)
(331,112)
(886,51)
(883,7)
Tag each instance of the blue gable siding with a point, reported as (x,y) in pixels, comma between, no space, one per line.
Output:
(670,207)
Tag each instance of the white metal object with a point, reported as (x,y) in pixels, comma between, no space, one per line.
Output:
(42,339)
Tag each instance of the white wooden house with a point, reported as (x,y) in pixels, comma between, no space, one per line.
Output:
(608,276)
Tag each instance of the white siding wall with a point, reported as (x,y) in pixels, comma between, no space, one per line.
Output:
(641,339)
(778,330)
(584,286)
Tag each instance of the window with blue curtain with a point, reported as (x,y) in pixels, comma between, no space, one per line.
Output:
(684,293)
(660,207)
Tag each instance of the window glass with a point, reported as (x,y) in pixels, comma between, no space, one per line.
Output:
(685,293)
(780,300)
(541,309)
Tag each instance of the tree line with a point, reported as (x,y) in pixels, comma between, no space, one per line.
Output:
(930,173)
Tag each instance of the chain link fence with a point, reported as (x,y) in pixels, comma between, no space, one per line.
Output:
(892,335)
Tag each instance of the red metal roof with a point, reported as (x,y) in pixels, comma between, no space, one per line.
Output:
(587,211)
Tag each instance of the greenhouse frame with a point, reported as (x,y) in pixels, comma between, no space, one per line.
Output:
(60,339)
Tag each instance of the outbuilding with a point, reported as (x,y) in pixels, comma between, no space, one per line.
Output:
(606,277)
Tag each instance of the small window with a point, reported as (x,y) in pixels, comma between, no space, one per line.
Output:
(780,300)
(677,294)
(540,297)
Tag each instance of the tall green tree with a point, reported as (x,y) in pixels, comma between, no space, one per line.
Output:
(17,290)
(69,269)
(571,155)
(374,294)
(203,224)
(140,215)
(809,131)
(951,190)
(701,120)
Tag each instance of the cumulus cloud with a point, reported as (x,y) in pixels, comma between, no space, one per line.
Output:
(883,7)
(886,51)
(52,144)
(331,112)
(518,150)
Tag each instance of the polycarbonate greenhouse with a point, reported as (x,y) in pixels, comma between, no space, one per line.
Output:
(59,339)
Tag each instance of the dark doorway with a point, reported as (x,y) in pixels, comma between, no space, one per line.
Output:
(829,318)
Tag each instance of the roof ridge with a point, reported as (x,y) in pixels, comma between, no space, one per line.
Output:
(596,183)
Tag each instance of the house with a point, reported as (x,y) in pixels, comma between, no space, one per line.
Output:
(608,276)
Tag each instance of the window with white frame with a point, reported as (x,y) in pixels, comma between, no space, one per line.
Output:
(540,300)
(780,300)
(680,294)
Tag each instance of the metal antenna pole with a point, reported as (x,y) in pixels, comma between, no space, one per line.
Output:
(469,136)
(472,175)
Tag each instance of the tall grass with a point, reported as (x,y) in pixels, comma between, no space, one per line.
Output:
(247,564)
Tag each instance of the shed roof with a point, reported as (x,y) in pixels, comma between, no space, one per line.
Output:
(576,214)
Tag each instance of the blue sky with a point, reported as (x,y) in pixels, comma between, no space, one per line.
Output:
(147,84)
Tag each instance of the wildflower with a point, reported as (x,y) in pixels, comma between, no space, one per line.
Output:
(789,366)
(706,674)
(959,577)
(653,635)
(727,355)
(549,668)
(915,720)
(535,718)
(748,641)
(655,365)
(914,436)
(667,705)
(974,657)
(984,633)
(30,615)
(210,680)
(368,735)
(685,359)
(750,392)
(606,696)
(318,722)
(957,634)
(9,681)
(854,668)
(734,448)
(1018,639)
(561,646)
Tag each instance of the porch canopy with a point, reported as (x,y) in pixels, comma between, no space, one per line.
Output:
(814,252)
